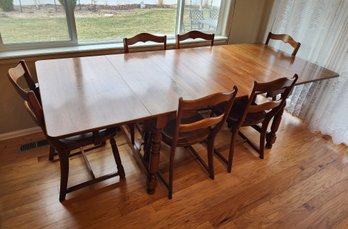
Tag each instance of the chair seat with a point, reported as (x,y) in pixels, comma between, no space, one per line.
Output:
(250,120)
(188,138)
(254,118)
(81,140)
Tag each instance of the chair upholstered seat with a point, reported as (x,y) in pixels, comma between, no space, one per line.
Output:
(95,138)
(185,138)
(250,119)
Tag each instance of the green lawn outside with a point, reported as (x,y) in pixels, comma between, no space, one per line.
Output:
(89,28)
(157,21)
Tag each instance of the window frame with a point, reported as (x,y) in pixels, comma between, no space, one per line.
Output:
(221,30)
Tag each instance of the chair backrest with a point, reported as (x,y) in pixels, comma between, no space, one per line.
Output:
(34,108)
(143,37)
(286,39)
(213,123)
(16,73)
(274,95)
(194,35)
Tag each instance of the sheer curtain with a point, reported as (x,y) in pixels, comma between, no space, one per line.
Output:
(322,28)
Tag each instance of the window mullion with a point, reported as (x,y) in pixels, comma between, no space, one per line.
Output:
(69,9)
(1,43)
(180,16)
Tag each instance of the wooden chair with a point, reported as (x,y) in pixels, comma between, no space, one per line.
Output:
(22,71)
(286,39)
(265,101)
(194,35)
(15,75)
(190,127)
(143,37)
(65,145)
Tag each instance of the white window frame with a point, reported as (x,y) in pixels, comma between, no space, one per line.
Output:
(221,30)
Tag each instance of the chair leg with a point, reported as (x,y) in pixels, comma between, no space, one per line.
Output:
(231,152)
(117,158)
(262,141)
(51,153)
(147,141)
(64,174)
(211,158)
(171,173)
(132,132)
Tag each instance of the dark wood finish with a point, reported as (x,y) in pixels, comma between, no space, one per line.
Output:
(65,145)
(190,127)
(286,39)
(194,35)
(86,94)
(143,37)
(266,101)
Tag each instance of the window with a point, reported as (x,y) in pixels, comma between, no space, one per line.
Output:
(59,23)
(27,22)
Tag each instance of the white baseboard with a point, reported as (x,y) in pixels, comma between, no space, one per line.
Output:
(20,133)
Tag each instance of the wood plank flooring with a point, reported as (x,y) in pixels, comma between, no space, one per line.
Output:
(301,183)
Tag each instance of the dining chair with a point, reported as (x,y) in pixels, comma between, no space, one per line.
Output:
(144,37)
(15,76)
(265,101)
(66,145)
(194,34)
(286,39)
(191,127)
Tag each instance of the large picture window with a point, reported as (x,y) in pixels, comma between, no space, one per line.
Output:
(52,23)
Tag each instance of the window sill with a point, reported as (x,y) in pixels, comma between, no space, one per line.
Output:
(118,47)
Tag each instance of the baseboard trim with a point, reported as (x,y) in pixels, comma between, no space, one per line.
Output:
(19,133)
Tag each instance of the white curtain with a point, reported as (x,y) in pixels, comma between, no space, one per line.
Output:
(322,28)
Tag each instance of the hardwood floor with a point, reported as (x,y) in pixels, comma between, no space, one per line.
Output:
(301,183)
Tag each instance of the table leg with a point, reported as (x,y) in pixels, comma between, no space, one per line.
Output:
(147,140)
(155,153)
(271,136)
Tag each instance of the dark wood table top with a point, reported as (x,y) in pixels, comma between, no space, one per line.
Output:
(89,93)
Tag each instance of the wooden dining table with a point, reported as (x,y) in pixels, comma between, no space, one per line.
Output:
(90,93)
